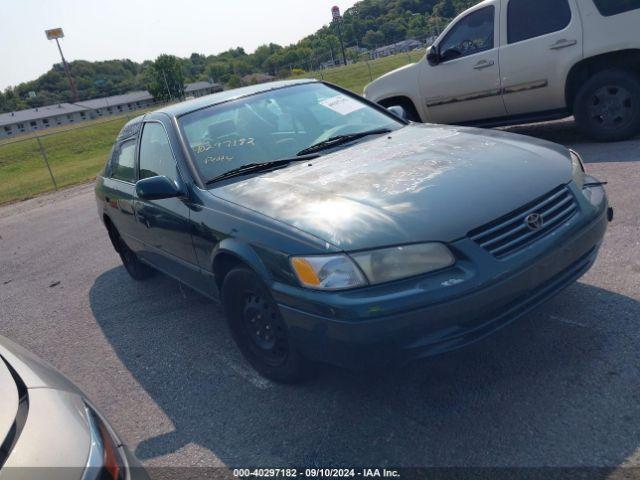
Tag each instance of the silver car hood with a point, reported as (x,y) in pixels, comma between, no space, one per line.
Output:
(32,370)
(55,439)
(8,400)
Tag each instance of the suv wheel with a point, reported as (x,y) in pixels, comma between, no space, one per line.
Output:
(607,107)
(258,329)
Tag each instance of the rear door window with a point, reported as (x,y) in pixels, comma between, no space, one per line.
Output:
(609,8)
(529,19)
(156,157)
(124,162)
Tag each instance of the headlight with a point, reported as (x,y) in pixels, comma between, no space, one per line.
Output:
(394,263)
(578,169)
(104,462)
(331,272)
(339,272)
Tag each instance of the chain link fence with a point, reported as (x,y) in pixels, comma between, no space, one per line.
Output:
(357,74)
(43,162)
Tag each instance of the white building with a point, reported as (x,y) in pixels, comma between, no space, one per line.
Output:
(117,104)
(199,89)
(23,121)
(41,118)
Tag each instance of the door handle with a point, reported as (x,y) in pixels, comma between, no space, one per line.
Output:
(482,64)
(563,43)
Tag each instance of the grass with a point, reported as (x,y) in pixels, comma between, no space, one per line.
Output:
(356,75)
(77,155)
(74,155)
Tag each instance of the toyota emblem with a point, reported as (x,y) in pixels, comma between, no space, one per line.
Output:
(534,221)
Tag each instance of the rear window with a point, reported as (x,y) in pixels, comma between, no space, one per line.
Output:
(615,7)
(529,19)
(123,167)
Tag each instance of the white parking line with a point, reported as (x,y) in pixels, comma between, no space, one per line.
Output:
(249,375)
(567,321)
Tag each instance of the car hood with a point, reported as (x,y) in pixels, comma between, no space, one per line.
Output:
(419,183)
(32,370)
(9,398)
(55,432)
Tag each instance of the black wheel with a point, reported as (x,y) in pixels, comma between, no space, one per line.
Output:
(258,328)
(136,269)
(607,107)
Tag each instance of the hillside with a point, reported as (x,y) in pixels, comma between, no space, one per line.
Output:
(368,24)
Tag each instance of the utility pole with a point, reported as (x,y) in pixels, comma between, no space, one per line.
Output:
(56,34)
(335,12)
(166,84)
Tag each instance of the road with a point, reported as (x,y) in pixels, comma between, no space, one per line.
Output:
(559,388)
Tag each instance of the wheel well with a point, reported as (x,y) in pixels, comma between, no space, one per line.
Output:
(621,60)
(113,233)
(404,102)
(223,263)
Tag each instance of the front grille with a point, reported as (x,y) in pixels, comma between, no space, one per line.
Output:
(511,233)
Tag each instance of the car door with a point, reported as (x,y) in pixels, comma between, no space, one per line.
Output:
(118,186)
(164,225)
(541,41)
(465,84)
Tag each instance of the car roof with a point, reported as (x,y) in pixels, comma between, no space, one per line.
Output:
(182,108)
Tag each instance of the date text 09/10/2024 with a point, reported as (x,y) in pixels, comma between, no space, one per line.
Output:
(315,473)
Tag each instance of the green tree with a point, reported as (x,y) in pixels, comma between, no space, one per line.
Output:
(373,39)
(218,71)
(234,81)
(370,23)
(445,8)
(165,80)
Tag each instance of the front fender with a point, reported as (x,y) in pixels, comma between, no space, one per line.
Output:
(244,253)
(403,82)
(400,82)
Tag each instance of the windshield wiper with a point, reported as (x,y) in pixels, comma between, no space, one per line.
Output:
(259,167)
(341,139)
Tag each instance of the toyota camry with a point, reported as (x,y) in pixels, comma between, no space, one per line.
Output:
(332,230)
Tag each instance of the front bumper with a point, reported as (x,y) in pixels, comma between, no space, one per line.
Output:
(414,318)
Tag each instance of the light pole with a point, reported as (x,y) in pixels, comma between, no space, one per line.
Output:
(164,75)
(56,34)
(335,13)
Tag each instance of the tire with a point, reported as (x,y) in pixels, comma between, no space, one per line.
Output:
(258,329)
(607,106)
(135,268)
(407,105)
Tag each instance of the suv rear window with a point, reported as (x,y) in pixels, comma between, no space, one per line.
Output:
(530,19)
(615,7)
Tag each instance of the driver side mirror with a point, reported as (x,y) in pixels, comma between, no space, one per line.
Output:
(399,111)
(433,56)
(157,188)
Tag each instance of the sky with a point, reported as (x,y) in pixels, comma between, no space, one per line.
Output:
(143,29)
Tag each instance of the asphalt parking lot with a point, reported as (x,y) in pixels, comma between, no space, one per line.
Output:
(559,388)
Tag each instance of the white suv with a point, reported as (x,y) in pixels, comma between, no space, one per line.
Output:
(517,61)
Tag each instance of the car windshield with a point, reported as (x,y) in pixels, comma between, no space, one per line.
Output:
(274,125)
